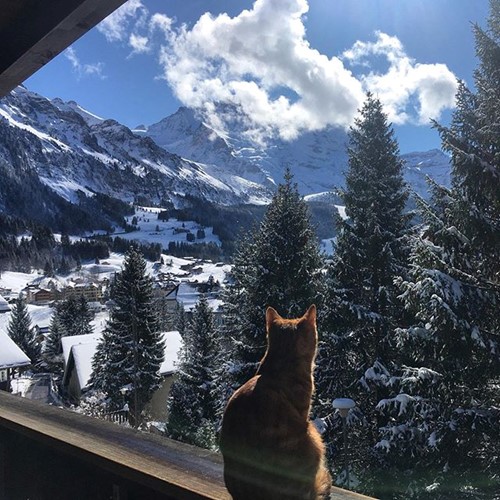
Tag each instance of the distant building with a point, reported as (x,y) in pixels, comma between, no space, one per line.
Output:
(188,295)
(91,291)
(12,358)
(43,296)
(40,296)
(41,332)
(171,299)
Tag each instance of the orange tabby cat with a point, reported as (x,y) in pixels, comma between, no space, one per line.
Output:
(271,450)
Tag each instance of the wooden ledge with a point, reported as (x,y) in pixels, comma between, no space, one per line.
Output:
(174,469)
(168,467)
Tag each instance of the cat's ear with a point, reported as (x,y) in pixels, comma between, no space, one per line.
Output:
(271,316)
(310,316)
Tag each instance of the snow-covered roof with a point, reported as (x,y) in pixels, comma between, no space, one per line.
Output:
(69,342)
(188,296)
(173,344)
(4,306)
(83,347)
(82,355)
(10,354)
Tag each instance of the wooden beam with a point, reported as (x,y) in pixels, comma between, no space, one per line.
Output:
(174,469)
(33,32)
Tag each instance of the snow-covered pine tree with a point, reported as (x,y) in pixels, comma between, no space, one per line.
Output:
(180,320)
(453,355)
(20,331)
(279,265)
(131,350)
(74,316)
(84,316)
(52,354)
(193,399)
(357,353)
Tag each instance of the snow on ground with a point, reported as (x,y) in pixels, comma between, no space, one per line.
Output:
(341,210)
(99,321)
(195,269)
(173,344)
(41,316)
(21,385)
(188,296)
(153,230)
(17,281)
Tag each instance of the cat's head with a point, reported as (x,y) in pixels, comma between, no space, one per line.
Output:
(292,338)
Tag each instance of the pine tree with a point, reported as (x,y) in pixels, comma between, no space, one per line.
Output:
(193,399)
(357,354)
(180,320)
(131,349)
(20,331)
(279,265)
(52,351)
(452,416)
(83,318)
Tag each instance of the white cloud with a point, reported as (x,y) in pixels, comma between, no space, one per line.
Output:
(431,86)
(139,44)
(95,69)
(161,22)
(116,26)
(261,63)
(386,45)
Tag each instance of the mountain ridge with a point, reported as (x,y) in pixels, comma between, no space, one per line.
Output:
(76,154)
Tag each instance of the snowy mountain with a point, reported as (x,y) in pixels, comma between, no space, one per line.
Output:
(73,151)
(419,166)
(318,160)
(57,152)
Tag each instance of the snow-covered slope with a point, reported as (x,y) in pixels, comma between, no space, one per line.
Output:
(73,150)
(420,165)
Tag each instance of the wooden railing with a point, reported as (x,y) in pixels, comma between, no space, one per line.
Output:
(52,453)
(118,417)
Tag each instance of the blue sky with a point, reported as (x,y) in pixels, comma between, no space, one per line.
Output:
(288,65)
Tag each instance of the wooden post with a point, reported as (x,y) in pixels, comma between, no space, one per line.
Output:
(3,462)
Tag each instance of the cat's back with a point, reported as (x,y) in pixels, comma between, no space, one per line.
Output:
(252,412)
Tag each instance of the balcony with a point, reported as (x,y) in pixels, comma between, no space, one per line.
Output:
(51,453)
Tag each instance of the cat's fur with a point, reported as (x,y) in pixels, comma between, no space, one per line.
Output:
(271,450)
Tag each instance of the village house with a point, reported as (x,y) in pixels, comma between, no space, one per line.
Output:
(78,351)
(40,295)
(43,296)
(4,306)
(12,358)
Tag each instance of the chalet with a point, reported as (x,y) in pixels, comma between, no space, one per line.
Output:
(79,350)
(4,306)
(43,296)
(11,359)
